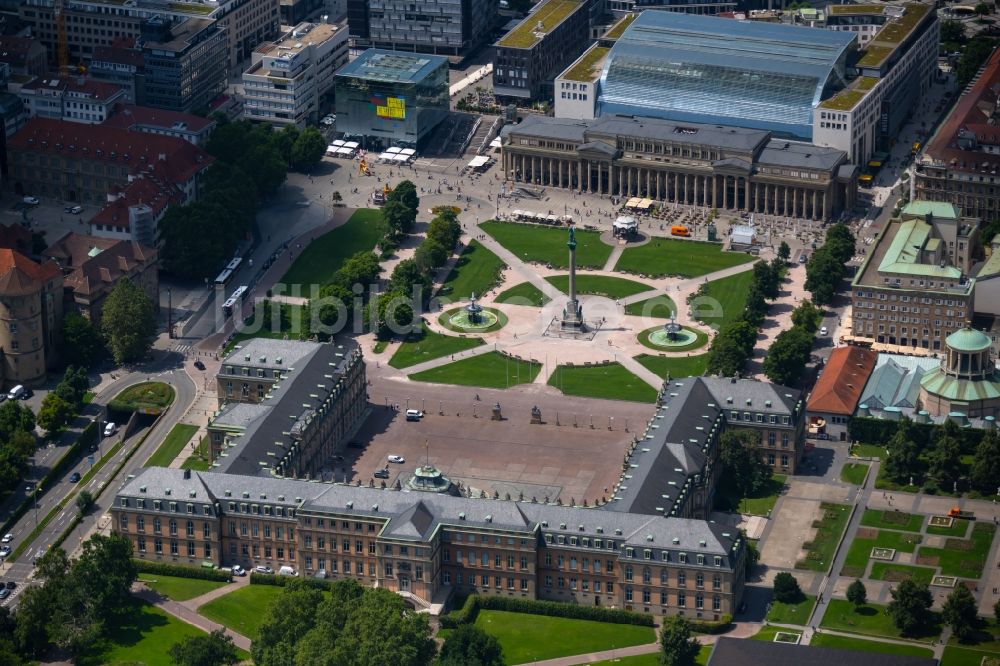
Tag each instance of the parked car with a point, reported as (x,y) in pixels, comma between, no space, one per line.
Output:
(264,570)
(382,473)
(74,477)
(73,210)
(7,538)
(239,571)
(11,584)
(396,459)
(31,201)
(287,571)
(4,551)
(4,593)
(110,428)
(198,364)
(823,331)
(414,415)
(328,120)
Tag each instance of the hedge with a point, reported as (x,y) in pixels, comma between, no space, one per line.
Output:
(475,603)
(181,571)
(281,581)
(869,430)
(712,626)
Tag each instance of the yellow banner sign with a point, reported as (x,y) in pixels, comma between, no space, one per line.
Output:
(395,108)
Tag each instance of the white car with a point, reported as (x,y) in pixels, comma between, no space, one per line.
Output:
(264,570)
(110,429)
(239,571)
(396,459)
(328,120)
(823,331)
(31,201)
(7,538)
(4,551)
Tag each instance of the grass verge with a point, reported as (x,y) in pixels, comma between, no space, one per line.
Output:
(854,473)
(178,588)
(172,445)
(870,619)
(241,610)
(677,366)
(325,255)
(523,294)
(547,245)
(428,345)
(667,256)
(611,381)
(477,271)
(489,370)
(829,529)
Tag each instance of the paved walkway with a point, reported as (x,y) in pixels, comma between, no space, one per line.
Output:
(183,612)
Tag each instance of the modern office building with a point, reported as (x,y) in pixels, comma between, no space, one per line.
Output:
(75,162)
(450,28)
(122,66)
(76,99)
(959,164)
(703,165)
(185,63)
(914,288)
(288,409)
(386,98)
(529,57)
(709,7)
(88,25)
(289,77)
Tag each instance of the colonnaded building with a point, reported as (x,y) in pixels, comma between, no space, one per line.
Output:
(703,165)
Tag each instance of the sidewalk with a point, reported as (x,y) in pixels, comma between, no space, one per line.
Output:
(182,612)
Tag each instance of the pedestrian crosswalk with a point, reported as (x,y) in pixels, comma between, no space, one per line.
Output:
(182,348)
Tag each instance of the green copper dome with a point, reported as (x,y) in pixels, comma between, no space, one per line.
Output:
(968,340)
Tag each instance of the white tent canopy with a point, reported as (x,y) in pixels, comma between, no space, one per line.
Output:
(478,162)
(408,151)
(626,222)
(394,149)
(351,144)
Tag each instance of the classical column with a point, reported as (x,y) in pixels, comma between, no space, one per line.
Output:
(814,208)
(697,191)
(715,191)
(786,188)
(677,187)
(649,183)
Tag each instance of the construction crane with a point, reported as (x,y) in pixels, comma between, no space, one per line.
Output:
(62,47)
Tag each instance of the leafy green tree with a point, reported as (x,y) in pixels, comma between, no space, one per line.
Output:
(14,416)
(284,142)
(406,193)
(910,606)
(903,461)
(945,461)
(361,268)
(397,218)
(786,588)
(975,54)
(34,609)
(215,649)
(952,32)
(317,645)
(767,279)
(430,255)
(81,342)
(960,613)
(55,412)
(677,647)
(857,594)
(382,630)
(468,645)
(787,358)
(407,274)
(743,468)
(445,229)
(128,322)
(288,618)
(982,9)
(784,252)
(753,555)
(104,574)
(807,317)
(84,502)
(308,150)
(823,275)
(840,242)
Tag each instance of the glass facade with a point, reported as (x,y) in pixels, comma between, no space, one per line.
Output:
(395,100)
(718,71)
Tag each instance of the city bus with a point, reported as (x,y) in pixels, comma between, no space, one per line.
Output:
(233,300)
(227,273)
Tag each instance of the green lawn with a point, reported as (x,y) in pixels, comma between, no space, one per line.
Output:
(147,395)
(868,451)
(476,271)
(142,635)
(897,572)
(612,381)
(870,619)
(547,245)
(526,638)
(892,520)
(278,321)
(659,307)
(958,528)
(961,656)
(177,588)
(172,445)
(767,633)
(760,504)
(490,370)
(650,659)
(854,473)
(428,346)
(523,294)
(677,366)
(199,459)
(242,610)
(963,557)
(829,529)
(700,340)
(668,256)
(986,638)
(600,285)
(860,551)
(862,645)
(317,263)
(798,613)
(724,300)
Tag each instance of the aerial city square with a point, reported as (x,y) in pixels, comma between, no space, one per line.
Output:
(558,332)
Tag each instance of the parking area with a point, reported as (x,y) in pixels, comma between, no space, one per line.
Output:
(49,216)
(505,457)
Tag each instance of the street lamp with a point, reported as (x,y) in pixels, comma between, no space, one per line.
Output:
(170,327)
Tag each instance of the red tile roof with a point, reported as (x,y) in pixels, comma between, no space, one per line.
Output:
(839,387)
(166,158)
(96,90)
(113,260)
(140,191)
(126,116)
(15,236)
(972,114)
(21,275)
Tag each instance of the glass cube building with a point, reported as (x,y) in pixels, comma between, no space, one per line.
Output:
(703,69)
(391,98)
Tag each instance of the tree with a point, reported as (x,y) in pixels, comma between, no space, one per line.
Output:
(104,574)
(984,473)
(55,412)
(960,612)
(430,255)
(823,275)
(308,150)
(857,594)
(840,242)
(996,611)
(784,252)
(406,193)
(753,555)
(952,32)
(215,649)
(910,606)
(15,416)
(128,322)
(786,588)
(284,142)
(789,353)
(982,9)
(286,621)
(84,502)
(945,460)
(81,342)
(807,317)
(903,461)
(382,630)
(405,275)
(767,279)
(975,54)
(677,647)
(743,468)
(468,645)
(397,218)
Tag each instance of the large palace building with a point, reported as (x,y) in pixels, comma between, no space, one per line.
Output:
(702,165)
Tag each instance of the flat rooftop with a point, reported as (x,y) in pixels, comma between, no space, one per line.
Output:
(392,66)
(895,253)
(893,33)
(182,34)
(297,39)
(848,98)
(588,67)
(549,13)
(616,30)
